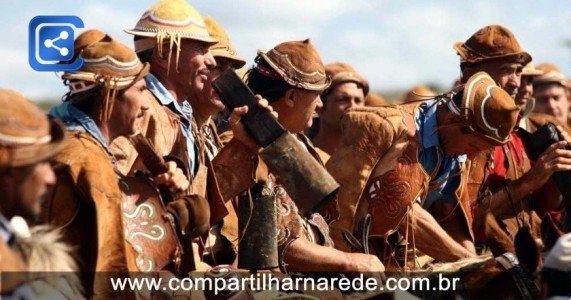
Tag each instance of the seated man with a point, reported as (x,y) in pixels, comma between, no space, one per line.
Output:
(551,93)
(506,178)
(221,245)
(293,87)
(348,89)
(398,162)
(107,99)
(28,140)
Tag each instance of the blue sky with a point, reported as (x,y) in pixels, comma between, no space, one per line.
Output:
(395,44)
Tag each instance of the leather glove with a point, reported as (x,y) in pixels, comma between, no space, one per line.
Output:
(192,214)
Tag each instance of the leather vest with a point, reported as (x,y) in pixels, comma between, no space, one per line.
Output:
(521,212)
(379,172)
(151,234)
(239,170)
(86,205)
(160,126)
(205,181)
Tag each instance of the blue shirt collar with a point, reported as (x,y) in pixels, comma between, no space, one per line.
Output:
(430,137)
(166,98)
(75,119)
(159,90)
(428,126)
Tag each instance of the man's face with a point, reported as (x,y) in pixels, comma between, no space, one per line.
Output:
(525,92)
(129,109)
(552,99)
(32,184)
(209,100)
(506,74)
(194,64)
(343,97)
(297,115)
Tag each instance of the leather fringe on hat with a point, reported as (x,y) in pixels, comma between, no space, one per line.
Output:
(109,64)
(172,21)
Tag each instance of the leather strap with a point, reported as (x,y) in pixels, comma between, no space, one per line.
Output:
(526,286)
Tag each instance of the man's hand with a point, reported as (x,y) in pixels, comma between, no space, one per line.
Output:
(364,263)
(238,127)
(192,214)
(555,159)
(368,265)
(174,178)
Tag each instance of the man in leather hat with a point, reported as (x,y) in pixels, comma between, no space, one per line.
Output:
(505,173)
(348,89)
(173,38)
(28,140)
(551,93)
(524,97)
(531,119)
(291,76)
(221,246)
(400,163)
(107,99)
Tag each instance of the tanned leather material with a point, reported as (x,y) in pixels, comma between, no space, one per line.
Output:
(377,167)
(87,199)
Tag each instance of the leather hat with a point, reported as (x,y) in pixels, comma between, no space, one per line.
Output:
(419,92)
(169,19)
(490,111)
(341,73)
(27,135)
(223,48)
(85,39)
(106,62)
(530,70)
(298,63)
(492,42)
(551,74)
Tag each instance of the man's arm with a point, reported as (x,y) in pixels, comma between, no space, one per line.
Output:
(430,237)
(457,230)
(556,158)
(305,257)
(237,168)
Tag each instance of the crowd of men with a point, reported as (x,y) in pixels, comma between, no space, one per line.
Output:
(143,169)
